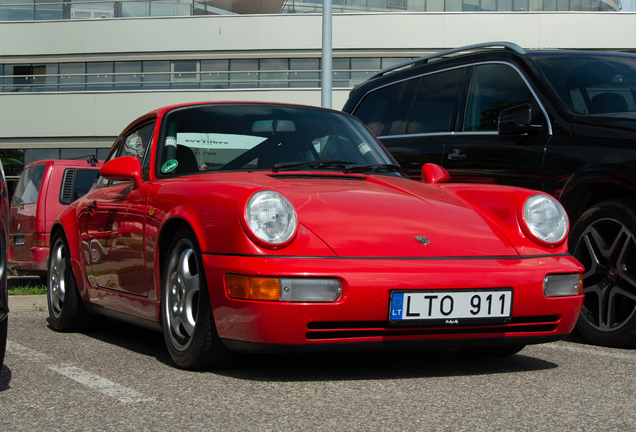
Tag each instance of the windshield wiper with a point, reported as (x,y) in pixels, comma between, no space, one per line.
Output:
(317,164)
(376,168)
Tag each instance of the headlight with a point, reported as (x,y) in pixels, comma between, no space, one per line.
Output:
(544,220)
(271,217)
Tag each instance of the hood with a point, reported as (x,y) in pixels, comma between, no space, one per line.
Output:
(390,217)
(611,125)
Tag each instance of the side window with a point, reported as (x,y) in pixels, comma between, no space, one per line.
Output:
(28,188)
(494,88)
(136,142)
(377,107)
(101,181)
(435,103)
(76,183)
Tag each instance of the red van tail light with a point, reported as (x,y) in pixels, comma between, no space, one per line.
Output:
(39,240)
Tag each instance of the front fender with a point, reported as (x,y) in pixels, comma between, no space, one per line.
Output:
(67,224)
(593,184)
(214,214)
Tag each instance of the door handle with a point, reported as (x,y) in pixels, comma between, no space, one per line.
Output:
(457,155)
(92,207)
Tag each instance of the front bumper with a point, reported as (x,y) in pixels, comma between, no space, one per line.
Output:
(359,319)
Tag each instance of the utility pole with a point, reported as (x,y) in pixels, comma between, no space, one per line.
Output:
(326,55)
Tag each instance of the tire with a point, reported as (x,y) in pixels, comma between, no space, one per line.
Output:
(603,241)
(187,320)
(492,352)
(66,310)
(4,325)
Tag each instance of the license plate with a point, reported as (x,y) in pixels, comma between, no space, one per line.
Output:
(450,307)
(18,240)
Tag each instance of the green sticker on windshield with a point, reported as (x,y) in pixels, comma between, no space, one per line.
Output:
(169,166)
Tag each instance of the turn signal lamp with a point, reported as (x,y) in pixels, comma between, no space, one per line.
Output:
(561,285)
(306,290)
(252,287)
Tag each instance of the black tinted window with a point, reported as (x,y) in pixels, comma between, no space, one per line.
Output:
(377,108)
(494,88)
(28,188)
(434,105)
(84,182)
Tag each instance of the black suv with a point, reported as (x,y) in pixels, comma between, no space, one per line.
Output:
(559,121)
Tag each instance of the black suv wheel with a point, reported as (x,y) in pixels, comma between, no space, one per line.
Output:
(603,240)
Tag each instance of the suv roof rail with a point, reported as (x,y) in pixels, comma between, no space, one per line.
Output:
(506,45)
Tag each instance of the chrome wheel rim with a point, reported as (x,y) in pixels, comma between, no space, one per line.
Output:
(57,279)
(182,295)
(607,249)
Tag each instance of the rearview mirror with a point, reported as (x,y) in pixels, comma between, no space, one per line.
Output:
(125,168)
(433,173)
(517,120)
(273,126)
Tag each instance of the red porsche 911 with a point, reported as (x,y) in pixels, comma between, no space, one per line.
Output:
(260,227)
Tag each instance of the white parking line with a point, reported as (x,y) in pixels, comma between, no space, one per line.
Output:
(109,388)
(593,351)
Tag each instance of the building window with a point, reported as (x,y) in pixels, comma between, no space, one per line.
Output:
(128,75)
(214,74)
(99,76)
(72,76)
(156,75)
(185,74)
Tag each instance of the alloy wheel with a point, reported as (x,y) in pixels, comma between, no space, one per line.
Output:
(607,249)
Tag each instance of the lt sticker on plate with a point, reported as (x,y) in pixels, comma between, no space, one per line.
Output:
(169,166)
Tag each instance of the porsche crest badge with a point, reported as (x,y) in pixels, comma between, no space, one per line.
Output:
(423,240)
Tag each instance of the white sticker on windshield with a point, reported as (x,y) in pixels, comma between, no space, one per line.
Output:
(218,141)
(171,141)
(364,148)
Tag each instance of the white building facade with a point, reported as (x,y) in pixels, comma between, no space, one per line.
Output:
(69,86)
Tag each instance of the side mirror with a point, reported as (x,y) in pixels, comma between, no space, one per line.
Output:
(125,168)
(517,120)
(433,173)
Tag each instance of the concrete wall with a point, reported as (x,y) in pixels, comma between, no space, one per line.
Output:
(79,119)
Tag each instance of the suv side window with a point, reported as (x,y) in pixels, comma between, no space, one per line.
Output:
(377,108)
(28,188)
(435,103)
(494,88)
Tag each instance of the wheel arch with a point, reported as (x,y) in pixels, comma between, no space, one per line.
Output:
(578,198)
(75,251)
(166,235)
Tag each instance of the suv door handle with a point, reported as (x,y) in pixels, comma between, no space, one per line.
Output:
(457,155)
(92,207)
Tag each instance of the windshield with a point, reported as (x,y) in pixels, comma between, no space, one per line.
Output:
(227,137)
(591,83)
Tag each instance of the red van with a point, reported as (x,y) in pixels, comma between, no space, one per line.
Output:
(45,188)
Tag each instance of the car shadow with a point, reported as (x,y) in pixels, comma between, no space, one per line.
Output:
(377,366)
(327,366)
(5,378)
(133,338)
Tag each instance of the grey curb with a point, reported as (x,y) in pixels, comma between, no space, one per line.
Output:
(27,303)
